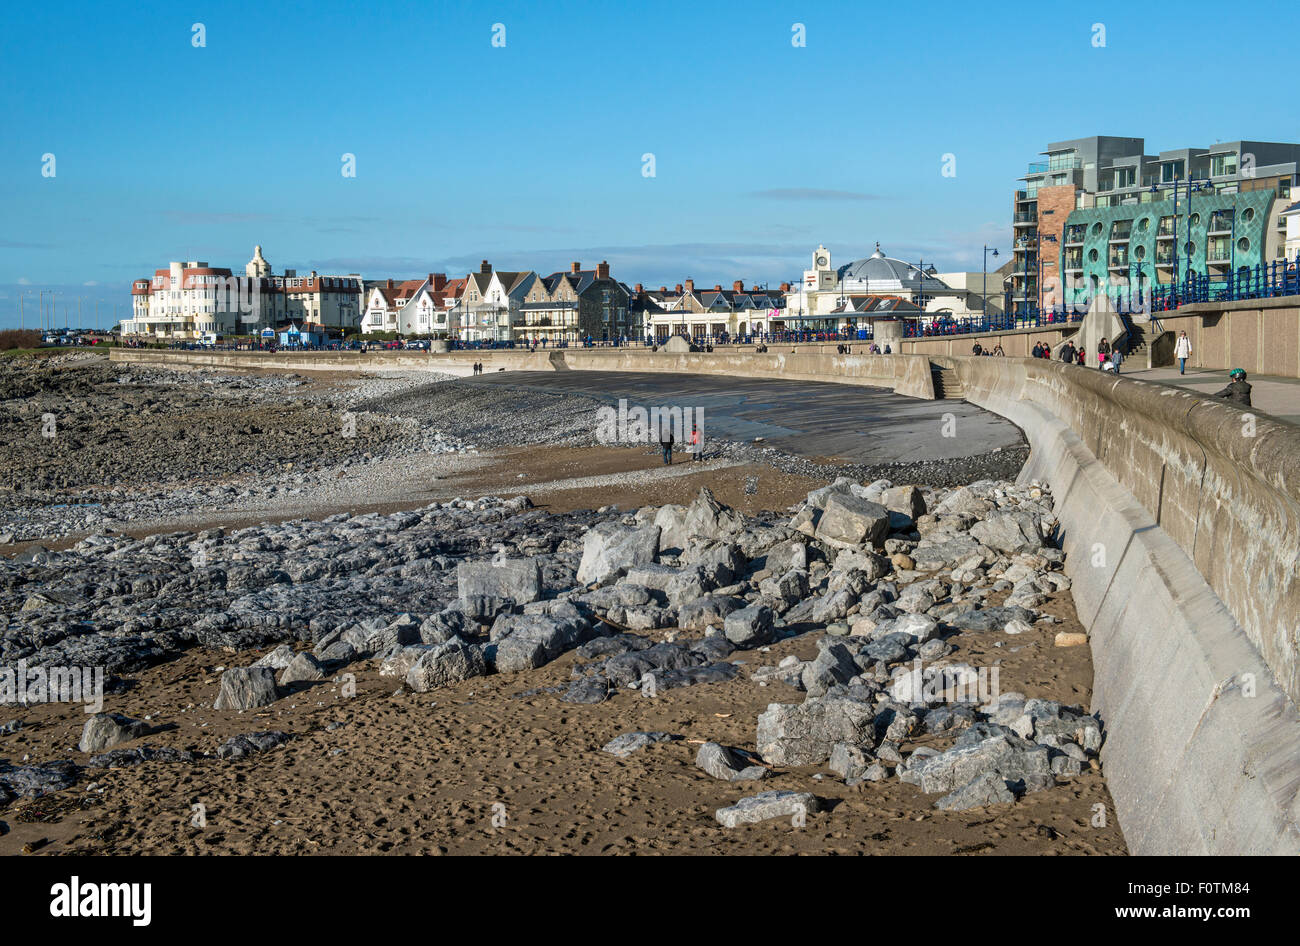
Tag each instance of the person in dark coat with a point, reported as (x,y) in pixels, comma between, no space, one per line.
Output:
(1237,391)
(666,441)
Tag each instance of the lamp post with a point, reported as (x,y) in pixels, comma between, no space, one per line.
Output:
(984,286)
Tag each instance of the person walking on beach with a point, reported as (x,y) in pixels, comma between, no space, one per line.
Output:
(666,441)
(1182,351)
(1238,391)
(697,443)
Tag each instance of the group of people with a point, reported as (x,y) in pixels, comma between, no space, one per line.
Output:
(478,367)
(996,351)
(695,446)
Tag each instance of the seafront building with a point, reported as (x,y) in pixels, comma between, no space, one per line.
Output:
(188,300)
(575,305)
(1100,215)
(848,298)
(715,313)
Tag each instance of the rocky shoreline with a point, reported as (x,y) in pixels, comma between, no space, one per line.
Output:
(884,577)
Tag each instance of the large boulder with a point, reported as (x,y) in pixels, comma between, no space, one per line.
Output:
(304,668)
(709,611)
(528,641)
(765,805)
(450,662)
(907,500)
(727,764)
(610,549)
(1009,532)
(833,664)
(805,733)
(1004,754)
(750,627)
(671,520)
(244,688)
(519,579)
(105,730)
(709,518)
(849,521)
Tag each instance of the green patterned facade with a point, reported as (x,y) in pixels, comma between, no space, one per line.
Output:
(1228,231)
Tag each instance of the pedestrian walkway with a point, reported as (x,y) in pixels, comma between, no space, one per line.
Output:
(1272,394)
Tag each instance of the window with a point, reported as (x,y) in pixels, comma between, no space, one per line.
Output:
(1223,164)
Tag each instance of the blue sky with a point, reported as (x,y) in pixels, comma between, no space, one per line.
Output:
(530,154)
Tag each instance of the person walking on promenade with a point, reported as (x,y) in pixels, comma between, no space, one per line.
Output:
(1047,351)
(1103,352)
(1116,359)
(1081,357)
(1038,350)
(1238,391)
(666,441)
(1182,351)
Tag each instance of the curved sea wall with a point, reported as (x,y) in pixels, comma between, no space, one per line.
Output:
(1181,522)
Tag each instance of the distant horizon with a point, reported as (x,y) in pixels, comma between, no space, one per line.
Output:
(534,154)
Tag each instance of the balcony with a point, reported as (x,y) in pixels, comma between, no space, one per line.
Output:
(1220,223)
(1118,261)
(1022,218)
(1038,167)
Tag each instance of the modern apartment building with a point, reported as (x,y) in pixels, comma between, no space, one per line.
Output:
(1102,215)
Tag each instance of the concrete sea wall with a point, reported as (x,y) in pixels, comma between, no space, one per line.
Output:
(1181,523)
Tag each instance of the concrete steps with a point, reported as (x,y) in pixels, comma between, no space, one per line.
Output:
(947,386)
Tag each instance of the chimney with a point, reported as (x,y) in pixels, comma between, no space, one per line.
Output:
(390,284)
(785,287)
(639,289)
(690,286)
(679,289)
(439,281)
(602,270)
(738,285)
(485,267)
(665,288)
(577,268)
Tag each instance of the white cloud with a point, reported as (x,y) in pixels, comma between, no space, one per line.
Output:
(24,281)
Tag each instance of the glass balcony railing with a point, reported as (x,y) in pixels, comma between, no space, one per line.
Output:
(1026,217)
(1037,167)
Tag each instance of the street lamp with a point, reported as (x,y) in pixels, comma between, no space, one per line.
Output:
(984,286)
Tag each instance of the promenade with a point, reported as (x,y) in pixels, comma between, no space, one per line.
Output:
(1272,394)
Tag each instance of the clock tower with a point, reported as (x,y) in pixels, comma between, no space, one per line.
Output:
(821,275)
